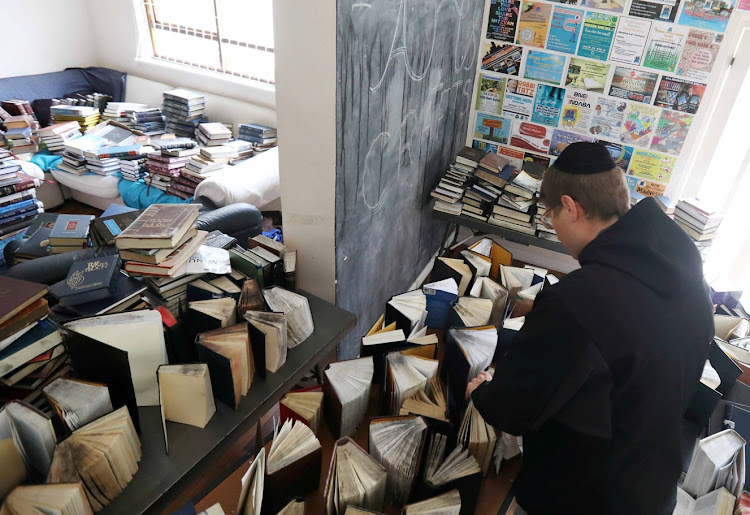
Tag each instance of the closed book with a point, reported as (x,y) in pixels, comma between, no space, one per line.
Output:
(169,266)
(16,295)
(124,289)
(88,281)
(470,156)
(30,315)
(26,183)
(155,256)
(106,228)
(70,230)
(512,226)
(160,226)
(41,338)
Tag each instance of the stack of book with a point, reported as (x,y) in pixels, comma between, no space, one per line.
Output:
(149,121)
(184,185)
(478,200)
(244,150)
(699,221)
(166,165)
(20,134)
(16,107)
(212,134)
(120,112)
(18,204)
(98,101)
(86,116)
(54,136)
(515,208)
(261,136)
(134,169)
(541,230)
(495,170)
(459,176)
(183,111)
(88,281)
(69,233)
(666,204)
(108,160)
(73,159)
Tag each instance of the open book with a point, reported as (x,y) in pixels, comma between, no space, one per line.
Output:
(407,375)
(348,386)
(449,268)
(268,335)
(478,437)
(251,493)
(487,288)
(206,315)
(304,405)
(230,361)
(473,311)
(297,310)
(448,503)
(468,351)
(78,402)
(354,478)
(250,298)
(718,502)
(718,461)
(295,507)
(67,499)
(428,403)
(27,444)
(459,463)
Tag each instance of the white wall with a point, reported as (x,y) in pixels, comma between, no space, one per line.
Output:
(41,36)
(306,112)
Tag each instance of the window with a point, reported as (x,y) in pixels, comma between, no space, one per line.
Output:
(233,37)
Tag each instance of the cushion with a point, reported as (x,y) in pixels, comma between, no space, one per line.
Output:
(97,185)
(30,169)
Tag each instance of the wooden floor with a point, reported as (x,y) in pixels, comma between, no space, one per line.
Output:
(73,207)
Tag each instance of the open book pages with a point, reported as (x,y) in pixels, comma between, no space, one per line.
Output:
(250,298)
(718,461)
(103,455)
(718,502)
(507,447)
(482,264)
(738,349)
(515,278)
(234,337)
(446,285)
(222,309)
(413,305)
(186,395)
(525,180)
(65,499)
(351,382)
(251,493)
(478,345)
(478,437)
(487,288)
(224,284)
(461,268)
(290,443)
(474,311)
(459,463)
(408,375)
(354,478)
(430,404)
(531,292)
(728,327)
(274,328)
(295,507)
(448,503)
(78,402)
(397,443)
(307,405)
(384,336)
(32,435)
(296,308)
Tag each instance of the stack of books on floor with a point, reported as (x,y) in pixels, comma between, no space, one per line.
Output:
(699,221)
(18,203)
(20,134)
(541,230)
(183,111)
(134,169)
(515,208)
(86,116)
(261,136)
(53,137)
(149,121)
(212,134)
(120,112)
(31,350)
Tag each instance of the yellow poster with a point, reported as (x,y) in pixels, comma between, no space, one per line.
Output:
(651,165)
(533,23)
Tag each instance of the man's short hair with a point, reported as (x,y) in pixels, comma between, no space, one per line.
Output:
(602,196)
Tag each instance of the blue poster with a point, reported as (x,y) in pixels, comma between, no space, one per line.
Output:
(492,128)
(544,67)
(548,105)
(622,154)
(484,146)
(564,30)
(707,15)
(597,35)
(561,139)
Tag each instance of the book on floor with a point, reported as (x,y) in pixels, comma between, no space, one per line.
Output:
(185,395)
(78,402)
(717,502)
(446,470)
(89,281)
(429,402)
(448,503)
(159,226)
(718,461)
(406,376)
(268,336)
(67,499)
(230,361)
(295,507)
(305,405)
(472,311)
(478,437)
(487,288)
(456,269)
(347,385)
(251,489)
(354,479)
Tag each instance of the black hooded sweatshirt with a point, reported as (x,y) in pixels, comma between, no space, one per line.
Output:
(598,379)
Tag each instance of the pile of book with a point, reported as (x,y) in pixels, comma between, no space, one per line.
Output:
(134,169)
(244,150)
(16,107)
(18,203)
(166,164)
(515,207)
(96,100)
(261,136)
(699,221)
(453,184)
(69,233)
(20,131)
(120,112)
(183,185)
(212,134)
(148,120)
(209,160)
(53,137)
(183,111)
(86,116)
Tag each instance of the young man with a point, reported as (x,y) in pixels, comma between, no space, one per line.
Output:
(598,379)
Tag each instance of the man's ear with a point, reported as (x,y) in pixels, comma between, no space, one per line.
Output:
(571,207)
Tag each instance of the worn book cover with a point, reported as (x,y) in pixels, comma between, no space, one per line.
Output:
(108,227)
(161,221)
(70,227)
(15,295)
(88,281)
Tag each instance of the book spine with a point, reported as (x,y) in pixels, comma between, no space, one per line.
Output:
(119,154)
(18,206)
(17,198)
(17,217)
(17,188)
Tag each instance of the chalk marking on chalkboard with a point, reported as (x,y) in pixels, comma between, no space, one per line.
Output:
(384,195)
(361,4)
(406,147)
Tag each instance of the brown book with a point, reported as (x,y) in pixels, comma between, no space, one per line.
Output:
(493,162)
(250,298)
(33,312)
(495,180)
(174,261)
(267,243)
(16,295)
(160,226)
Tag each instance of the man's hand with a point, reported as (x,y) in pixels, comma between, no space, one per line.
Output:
(482,377)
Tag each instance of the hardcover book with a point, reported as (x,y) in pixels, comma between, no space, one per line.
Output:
(160,226)
(105,229)
(88,281)
(16,295)
(70,230)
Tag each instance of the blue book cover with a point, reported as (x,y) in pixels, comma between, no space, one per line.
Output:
(438,308)
(25,131)
(71,227)
(564,30)
(41,330)
(88,281)
(18,206)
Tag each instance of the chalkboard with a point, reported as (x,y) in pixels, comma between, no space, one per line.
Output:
(405,72)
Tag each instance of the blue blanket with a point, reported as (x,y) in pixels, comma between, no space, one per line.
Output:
(139,195)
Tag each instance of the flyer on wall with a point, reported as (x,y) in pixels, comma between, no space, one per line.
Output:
(664,46)
(514,156)
(532,23)
(578,110)
(530,136)
(712,15)
(622,154)
(490,93)
(630,40)
(597,35)
(587,75)
(606,121)
(561,139)
(616,6)
(647,188)
(699,54)
(663,10)
(502,58)
(680,94)
(535,165)
(671,132)
(544,67)
(564,30)
(503,20)
(547,105)
(635,85)
(639,125)
(492,128)
(651,165)
(484,146)
(519,99)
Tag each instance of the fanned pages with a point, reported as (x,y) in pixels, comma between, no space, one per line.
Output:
(271,328)
(430,404)
(457,269)
(250,298)
(487,288)
(473,311)
(354,479)
(407,376)
(78,402)
(481,264)
(478,345)
(396,443)
(295,507)
(478,437)
(186,395)
(448,503)
(304,405)
(292,442)
(515,278)
(228,350)
(222,310)
(296,308)
(64,499)
(251,493)
(355,510)
(33,436)
(349,383)
(457,464)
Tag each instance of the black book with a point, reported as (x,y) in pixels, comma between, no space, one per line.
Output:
(220,240)
(37,245)
(124,290)
(220,370)
(104,230)
(88,281)
(258,347)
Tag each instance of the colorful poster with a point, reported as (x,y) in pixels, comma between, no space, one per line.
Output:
(578,109)
(514,157)
(532,24)
(519,99)
(561,139)
(707,14)
(744,5)
(680,95)
(622,154)
(535,165)
(664,10)
(649,188)
(699,54)
(616,6)
(484,146)
(587,75)
(503,19)
(671,132)
(607,119)
(639,125)
(530,136)
(492,128)
(630,40)
(490,93)
(633,85)
(598,32)
(573,2)
(564,30)
(547,105)
(544,67)
(664,47)
(651,165)
(502,58)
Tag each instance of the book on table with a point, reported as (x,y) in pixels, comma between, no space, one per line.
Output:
(268,336)
(230,361)
(251,298)
(78,402)
(297,311)
(347,385)
(89,281)
(27,442)
(68,499)
(354,479)
(185,395)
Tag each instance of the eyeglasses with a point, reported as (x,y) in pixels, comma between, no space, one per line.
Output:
(546,218)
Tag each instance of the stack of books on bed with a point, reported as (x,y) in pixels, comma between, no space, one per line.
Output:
(134,169)
(212,134)
(149,121)
(18,204)
(699,221)
(120,112)
(244,150)
(169,161)
(261,136)
(183,185)
(183,111)
(17,107)
(86,116)
(96,100)
(54,136)
(515,209)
